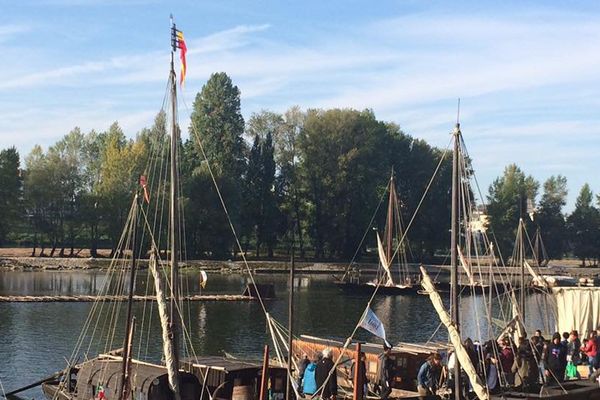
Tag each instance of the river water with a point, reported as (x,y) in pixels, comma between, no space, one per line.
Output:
(36,338)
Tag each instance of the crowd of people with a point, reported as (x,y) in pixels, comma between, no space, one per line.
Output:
(522,366)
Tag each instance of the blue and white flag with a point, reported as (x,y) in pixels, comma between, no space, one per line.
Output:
(371,323)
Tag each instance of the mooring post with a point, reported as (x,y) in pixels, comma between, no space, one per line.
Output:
(358,383)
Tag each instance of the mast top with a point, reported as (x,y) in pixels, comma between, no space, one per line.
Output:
(456,131)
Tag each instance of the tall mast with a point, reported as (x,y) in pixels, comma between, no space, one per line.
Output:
(288,395)
(174,206)
(389,228)
(125,379)
(521,255)
(454,292)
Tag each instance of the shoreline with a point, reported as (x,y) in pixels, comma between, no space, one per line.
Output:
(20,263)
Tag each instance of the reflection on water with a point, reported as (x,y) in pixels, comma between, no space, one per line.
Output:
(35,338)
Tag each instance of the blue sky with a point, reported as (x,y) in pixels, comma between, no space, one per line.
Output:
(527,73)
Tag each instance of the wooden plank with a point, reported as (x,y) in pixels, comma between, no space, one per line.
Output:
(86,298)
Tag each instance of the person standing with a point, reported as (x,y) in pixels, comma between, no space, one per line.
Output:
(573,348)
(590,351)
(386,373)
(327,385)
(507,359)
(524,367)
(309,381)
(555,360)
(304,362)
(429,376)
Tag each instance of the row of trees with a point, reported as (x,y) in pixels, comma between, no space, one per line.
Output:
(511,197)
(316,177)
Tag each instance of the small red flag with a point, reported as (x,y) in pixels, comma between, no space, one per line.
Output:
(144,185)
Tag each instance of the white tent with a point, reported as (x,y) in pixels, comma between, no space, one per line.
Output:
(577,308)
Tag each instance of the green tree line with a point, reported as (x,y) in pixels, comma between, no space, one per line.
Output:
(313,176)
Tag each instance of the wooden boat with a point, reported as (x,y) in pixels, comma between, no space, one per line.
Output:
(385,290)
(225,378)
(101,377)
(407,359)
(117,374)
(395,248)
(569,390)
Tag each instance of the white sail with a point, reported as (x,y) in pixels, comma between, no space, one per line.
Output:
(384,261)
(577,308)
(164,324)
(538,279)
(461,352)
(465,266)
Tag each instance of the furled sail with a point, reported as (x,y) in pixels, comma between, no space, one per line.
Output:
(538,279)
(164,324)
(384,261)
(577,308)
(465,266)
(461,352)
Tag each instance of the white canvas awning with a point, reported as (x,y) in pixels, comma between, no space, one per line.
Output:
(577,308)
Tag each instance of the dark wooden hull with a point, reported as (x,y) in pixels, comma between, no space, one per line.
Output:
(366,289)
(575,390)
(50,390)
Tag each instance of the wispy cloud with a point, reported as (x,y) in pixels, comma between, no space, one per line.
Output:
(526,79)
(11,31)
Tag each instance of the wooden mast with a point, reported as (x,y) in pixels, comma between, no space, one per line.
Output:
(288,387)
(389,227)
(174,209)
(454,293)
(125,384)
(521,255)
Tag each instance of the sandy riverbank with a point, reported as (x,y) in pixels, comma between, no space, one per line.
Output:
(20,259)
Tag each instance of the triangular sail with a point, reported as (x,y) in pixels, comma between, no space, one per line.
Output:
(384,261)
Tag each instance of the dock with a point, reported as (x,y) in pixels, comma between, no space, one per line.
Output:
(88,298)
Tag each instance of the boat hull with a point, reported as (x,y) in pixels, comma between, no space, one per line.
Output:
(575,390)
(366,289)
(52,391)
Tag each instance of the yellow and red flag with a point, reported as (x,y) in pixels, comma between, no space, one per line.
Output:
(181,45)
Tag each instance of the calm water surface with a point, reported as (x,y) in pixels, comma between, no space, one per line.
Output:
(36,338)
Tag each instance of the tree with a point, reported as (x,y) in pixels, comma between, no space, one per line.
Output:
(260,200)
(123,162)
(550,217)
(10,191)
(507,202)
(65,158)
(38,193)
(216,120)
(343,167)
(583,227)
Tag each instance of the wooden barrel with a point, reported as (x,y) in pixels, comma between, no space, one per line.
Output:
(242,392)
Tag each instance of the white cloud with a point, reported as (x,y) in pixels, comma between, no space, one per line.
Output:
(11,31)
(526,80)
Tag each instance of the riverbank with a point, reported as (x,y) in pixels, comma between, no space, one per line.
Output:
(23,263)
